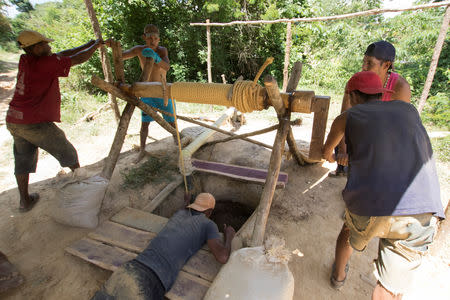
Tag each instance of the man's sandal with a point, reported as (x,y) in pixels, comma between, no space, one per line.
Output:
(34,198)
(335,283)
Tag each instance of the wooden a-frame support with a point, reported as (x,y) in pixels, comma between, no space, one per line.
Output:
(127,113)
(284,133)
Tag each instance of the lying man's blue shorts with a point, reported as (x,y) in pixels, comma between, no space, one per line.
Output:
(158,103)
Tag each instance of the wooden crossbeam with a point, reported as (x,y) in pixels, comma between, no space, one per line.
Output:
(237,172)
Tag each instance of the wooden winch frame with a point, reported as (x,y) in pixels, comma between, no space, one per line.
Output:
(284,104)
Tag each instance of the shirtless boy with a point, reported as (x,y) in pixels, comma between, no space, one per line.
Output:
(159,71)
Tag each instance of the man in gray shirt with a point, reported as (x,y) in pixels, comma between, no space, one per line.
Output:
(152,273)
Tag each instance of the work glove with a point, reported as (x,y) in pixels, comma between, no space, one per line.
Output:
(148,52)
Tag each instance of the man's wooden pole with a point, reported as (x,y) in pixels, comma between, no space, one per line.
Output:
(434,60)
(106,65)
(263,209)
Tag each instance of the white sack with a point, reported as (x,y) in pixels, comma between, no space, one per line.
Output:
(249,275)
(78,202)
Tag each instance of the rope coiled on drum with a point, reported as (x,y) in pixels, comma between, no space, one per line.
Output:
(247,96)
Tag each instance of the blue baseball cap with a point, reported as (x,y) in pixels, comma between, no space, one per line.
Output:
(381,50)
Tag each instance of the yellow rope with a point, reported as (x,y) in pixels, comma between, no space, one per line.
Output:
(179,144)
(268,61)
(247,97)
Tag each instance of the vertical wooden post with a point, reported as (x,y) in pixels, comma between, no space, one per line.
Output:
(320,108)
(208,59)
(106,65)
(287,53)
(296,73)
(118,61)
(263,209)
(434,60)
(119,138)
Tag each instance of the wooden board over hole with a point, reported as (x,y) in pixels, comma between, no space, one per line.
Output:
(140,219)
(105,256)
(237,172)
(188,287)
(143,220)
(122,236)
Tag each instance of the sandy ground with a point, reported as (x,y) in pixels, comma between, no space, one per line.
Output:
(307,213)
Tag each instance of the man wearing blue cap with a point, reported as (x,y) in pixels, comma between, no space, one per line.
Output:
(392,190)
(378,58)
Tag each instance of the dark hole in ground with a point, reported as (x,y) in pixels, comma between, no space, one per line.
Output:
(231,213)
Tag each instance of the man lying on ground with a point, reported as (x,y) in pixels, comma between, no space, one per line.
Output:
(392,189)
(152,273)
(36,106)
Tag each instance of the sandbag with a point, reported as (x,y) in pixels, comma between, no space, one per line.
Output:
(249,274)
(79,200)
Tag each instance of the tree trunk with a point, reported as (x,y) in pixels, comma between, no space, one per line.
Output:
(287,53)
(106,65)
(434,60)
(208,58)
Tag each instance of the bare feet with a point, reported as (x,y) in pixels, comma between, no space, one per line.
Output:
(140,156)
(9,276)
(29,203)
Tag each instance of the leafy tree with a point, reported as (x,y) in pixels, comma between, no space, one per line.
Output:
(22,5)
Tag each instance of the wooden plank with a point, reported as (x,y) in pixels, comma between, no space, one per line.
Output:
(188,287)
(237,172)
(139,219)
(104,256)
(320,109)
(110,257)
(122,236)
(163,194)
(143,220)
(202,264)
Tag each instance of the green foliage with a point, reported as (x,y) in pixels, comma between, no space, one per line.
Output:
(441,148)
(155,170)
(22,5)
(330,51)
(437,110)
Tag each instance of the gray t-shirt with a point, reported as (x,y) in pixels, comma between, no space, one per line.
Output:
(184,234)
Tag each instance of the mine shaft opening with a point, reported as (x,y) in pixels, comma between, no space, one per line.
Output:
(230,213)
(235,200)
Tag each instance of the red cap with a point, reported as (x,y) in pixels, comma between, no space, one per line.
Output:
(366,82)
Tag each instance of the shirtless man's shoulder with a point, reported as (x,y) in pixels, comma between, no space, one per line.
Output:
(402,90)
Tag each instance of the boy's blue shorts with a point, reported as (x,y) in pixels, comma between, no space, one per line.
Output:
(158,103)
